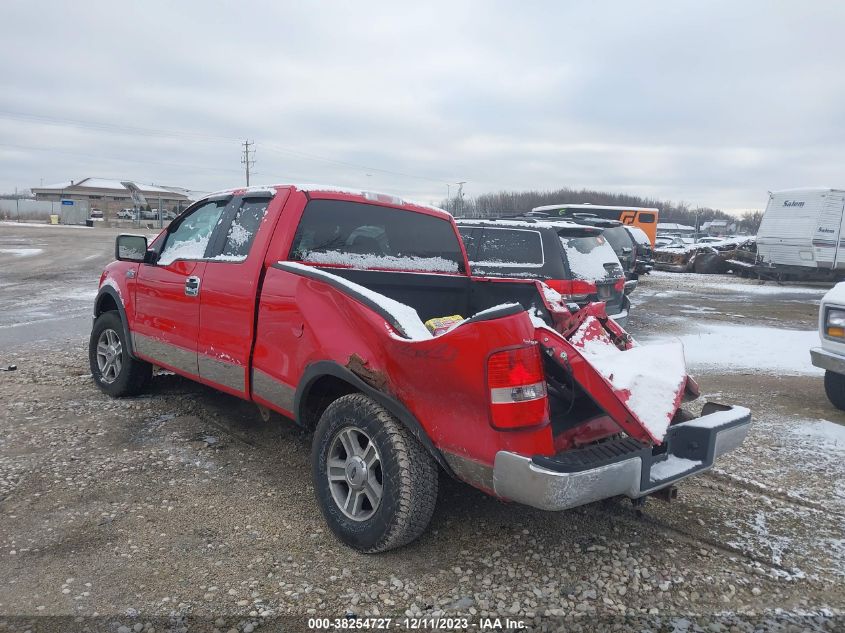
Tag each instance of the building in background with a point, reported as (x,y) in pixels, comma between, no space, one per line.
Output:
(673,228)
(110,196)
(719,228)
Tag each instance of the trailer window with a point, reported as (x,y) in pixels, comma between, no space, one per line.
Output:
(358,235)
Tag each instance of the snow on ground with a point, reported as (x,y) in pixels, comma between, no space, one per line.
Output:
(790,473)
(731,349)
(21,252)
(681,283)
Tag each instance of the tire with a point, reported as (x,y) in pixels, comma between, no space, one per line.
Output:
(394,458)
(834,387)
(115,372)
(709,264)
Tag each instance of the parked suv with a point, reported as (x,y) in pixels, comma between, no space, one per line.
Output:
(574,259)
(644,253)
(613,230)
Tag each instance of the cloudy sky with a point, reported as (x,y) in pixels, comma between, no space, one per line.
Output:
(712,103)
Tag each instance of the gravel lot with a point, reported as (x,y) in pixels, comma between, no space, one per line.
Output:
(183,504)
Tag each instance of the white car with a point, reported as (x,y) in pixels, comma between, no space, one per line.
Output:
(127,214)
(831,355)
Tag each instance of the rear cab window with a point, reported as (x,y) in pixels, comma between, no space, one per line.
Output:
(360,235)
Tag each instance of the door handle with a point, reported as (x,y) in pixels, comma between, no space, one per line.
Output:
(192,286)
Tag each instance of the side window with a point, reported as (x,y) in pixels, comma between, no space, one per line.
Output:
(510,247)
(646,218)
(190,239)
(342,233)
(243,229)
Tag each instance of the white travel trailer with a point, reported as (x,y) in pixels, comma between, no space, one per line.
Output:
(801,234)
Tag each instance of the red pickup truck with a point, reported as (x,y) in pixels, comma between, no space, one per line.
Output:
(311,301)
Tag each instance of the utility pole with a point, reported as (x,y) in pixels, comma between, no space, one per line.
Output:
(461,198)
(248,158)
(448,197)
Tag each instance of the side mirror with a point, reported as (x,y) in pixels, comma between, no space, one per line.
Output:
(130,248)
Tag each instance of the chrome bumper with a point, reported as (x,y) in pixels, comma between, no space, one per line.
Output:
(620,317)
(827,360)
(688,448)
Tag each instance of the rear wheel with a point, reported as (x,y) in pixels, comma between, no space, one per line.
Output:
(834,387)
(376,485)
(113,369)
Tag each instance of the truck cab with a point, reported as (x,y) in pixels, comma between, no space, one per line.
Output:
(830,356)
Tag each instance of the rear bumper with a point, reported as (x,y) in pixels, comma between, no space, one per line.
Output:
(827,360)
(561,482)
(620,317)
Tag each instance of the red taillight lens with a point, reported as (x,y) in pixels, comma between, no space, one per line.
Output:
(517,388)
(572,290)
(620,284)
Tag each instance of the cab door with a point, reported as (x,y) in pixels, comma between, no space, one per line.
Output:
(167,293)
(230,285)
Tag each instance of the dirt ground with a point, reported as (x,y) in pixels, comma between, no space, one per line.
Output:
(181,506)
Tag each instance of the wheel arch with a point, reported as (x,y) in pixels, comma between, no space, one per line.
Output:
(325,381)
(108,300)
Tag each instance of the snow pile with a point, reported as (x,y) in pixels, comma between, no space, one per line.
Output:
(388,262)
(652,375)
(404,315)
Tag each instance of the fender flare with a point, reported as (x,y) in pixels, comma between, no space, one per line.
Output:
(113,294)
(323,368)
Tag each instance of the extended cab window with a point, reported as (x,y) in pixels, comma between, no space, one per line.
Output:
(243,229)
(360,235)
(509,248)
(190,239)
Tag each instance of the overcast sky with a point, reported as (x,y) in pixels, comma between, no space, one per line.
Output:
(712,103)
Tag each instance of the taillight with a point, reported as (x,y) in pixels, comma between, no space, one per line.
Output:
(573,290)
(517,388)
(620,284)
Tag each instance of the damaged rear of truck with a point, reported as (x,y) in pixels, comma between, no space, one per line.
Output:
(523,396)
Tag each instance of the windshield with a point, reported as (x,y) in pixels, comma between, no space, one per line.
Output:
(590,257)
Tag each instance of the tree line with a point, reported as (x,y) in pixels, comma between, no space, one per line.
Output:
(501,203)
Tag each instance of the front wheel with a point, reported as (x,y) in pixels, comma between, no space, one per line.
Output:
(834,387)
(114,370)
(375,484)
